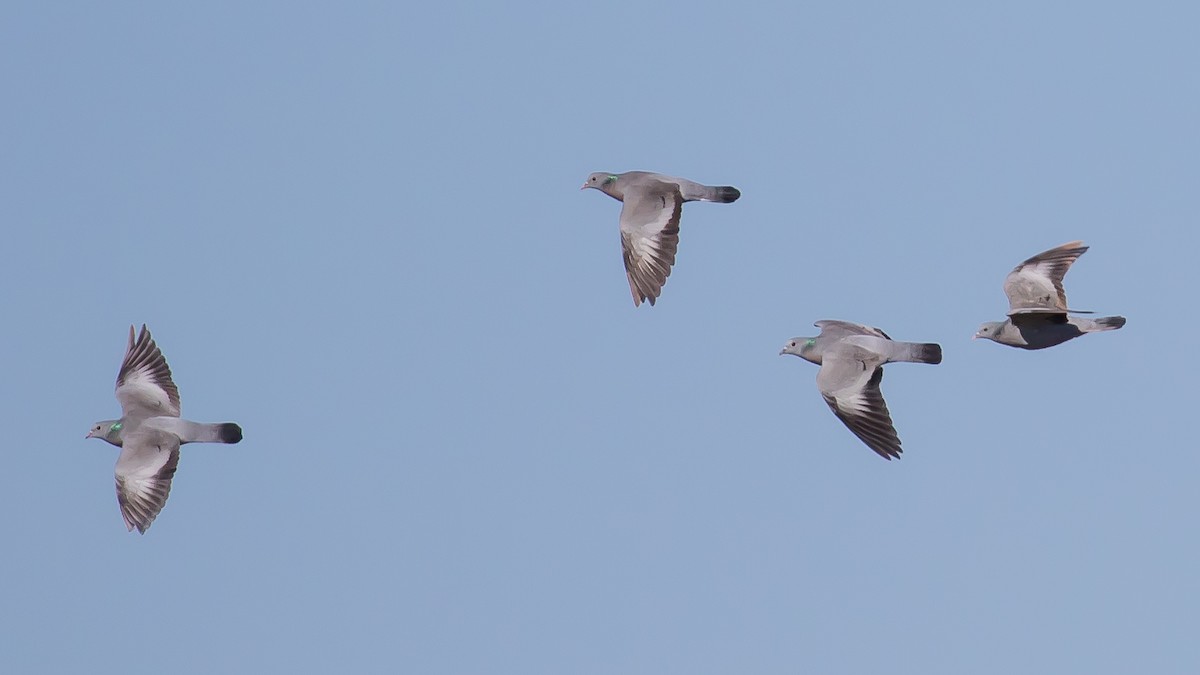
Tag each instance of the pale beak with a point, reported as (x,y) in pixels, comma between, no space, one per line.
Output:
(782,351)
(583,187)
(975,336)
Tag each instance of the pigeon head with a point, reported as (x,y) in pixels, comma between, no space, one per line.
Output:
(802,347)
(602,181)
(108,430)
(989,330)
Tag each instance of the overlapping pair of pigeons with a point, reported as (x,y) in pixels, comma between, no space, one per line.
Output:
(851,355)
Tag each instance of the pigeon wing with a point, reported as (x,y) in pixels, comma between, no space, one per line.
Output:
(144,471)
(1036,285)
(144,385)
(852,391)
(650,237)
(839,329)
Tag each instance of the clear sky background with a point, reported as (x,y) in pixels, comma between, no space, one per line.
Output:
(357,231)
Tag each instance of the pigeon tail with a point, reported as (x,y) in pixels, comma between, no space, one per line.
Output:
(1106,323)
(918,352)
(198,432)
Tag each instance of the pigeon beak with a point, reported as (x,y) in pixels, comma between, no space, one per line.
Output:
(782,351)
(583,187)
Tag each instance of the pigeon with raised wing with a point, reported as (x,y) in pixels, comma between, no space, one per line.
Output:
(1038,316)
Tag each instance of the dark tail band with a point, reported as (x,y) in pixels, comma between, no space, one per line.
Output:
(230,433)
(929,353)
(726,194)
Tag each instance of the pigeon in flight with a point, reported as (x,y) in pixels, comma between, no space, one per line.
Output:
(650,222)
(1037,304)
(851,357)
(150,432)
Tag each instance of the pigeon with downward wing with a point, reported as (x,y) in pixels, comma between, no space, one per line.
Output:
(650,222)
(1037,304)
(150,432)
(851,357)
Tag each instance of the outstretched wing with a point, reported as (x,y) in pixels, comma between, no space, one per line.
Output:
(1036,285)
(852,391)
(144,471)
(650,237)
(144,385)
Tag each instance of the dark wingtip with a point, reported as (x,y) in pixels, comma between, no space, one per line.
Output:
(887,452)
(1111,322)
(728,194)
(230,433)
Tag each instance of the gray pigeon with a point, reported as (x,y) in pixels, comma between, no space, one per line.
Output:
(851,357)
(650,222)
(1037,304)
(150,432)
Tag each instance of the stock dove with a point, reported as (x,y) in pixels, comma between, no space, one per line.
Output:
(652,204)
(1037,304)
(150,432)
(851,357)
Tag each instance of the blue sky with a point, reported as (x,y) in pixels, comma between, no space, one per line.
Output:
(356,230)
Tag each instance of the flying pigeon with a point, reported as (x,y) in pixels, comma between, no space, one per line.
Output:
(150,432)
(851,357)
(650,222)
(1037,304)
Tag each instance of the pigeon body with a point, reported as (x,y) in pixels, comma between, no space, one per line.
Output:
(150,431)
(649,222)
(851,357)
(1038,316)
(1039,331)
